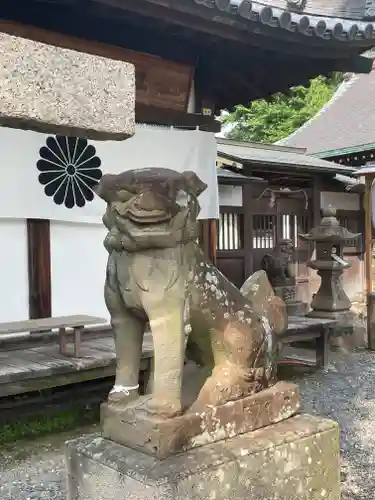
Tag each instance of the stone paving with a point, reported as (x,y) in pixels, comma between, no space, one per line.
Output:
(345,391)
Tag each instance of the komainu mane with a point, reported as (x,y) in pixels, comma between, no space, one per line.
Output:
(157,273)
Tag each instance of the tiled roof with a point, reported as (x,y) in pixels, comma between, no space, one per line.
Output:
(346,124)
(266,155)
(336,28)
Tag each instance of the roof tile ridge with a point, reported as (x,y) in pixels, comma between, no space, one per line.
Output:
(340,29)
(338,94)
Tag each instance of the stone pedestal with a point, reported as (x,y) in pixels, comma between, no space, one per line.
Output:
(164,437)
(294,307)
(297,459)
(331,296)
(345,318)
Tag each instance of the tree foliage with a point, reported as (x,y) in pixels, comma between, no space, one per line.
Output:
(269,120)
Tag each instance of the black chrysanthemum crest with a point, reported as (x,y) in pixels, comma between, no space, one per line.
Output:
(69,170)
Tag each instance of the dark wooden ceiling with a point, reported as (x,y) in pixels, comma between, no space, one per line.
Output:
(229,71)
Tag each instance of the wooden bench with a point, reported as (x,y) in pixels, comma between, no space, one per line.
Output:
(76,322)
(301,329)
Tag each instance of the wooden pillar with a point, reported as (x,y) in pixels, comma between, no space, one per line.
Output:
(208,229)
(213,239)
(368,261)
(316,219)
(207,238)
(247,203)
(39,268)
(316,201)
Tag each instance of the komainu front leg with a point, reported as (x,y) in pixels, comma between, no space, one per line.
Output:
(167,327)
(128,331)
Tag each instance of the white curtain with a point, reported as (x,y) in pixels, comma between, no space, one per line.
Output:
(22,195)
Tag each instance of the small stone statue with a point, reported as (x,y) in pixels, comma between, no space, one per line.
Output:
(279,264)
(156,272)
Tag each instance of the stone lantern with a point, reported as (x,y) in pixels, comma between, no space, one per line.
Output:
(331,300)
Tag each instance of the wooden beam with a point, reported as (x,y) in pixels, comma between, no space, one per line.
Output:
(39,268)
(165,116)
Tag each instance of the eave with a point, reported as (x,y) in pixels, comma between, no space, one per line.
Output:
(262,26)
(348,31)
(219,42)
(345,151)
(266,165)
(266,157)
(230,178)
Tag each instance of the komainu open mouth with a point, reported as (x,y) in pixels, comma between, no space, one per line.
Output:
(140,216)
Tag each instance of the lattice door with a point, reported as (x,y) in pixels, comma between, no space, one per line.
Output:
(268,229)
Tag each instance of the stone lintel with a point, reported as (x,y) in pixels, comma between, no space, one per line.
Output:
(297,459)
(131,427)
(54,90)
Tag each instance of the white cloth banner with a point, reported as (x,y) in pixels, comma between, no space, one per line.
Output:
(35,164)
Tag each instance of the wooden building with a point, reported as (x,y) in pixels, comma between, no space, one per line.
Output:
(275,193)
(344,132)
(192,59)
(206,42)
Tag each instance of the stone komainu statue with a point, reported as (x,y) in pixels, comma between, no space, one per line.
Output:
(156,272)
(279,264)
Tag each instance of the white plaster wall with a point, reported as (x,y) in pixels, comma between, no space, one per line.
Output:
(14,304)
(340,201)
(78,265)
(230,196)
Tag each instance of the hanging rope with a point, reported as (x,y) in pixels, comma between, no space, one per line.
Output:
(284,191)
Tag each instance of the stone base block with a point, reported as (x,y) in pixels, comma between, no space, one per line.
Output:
(297,459)
(297,308)
(59,91)
(133,427)
(344,317)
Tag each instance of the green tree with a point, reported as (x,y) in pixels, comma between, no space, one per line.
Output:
(269,120)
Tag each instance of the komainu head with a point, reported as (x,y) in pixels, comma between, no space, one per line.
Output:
(150,208)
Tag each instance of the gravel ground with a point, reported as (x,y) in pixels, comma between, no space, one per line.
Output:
(345,392)
(35,470)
